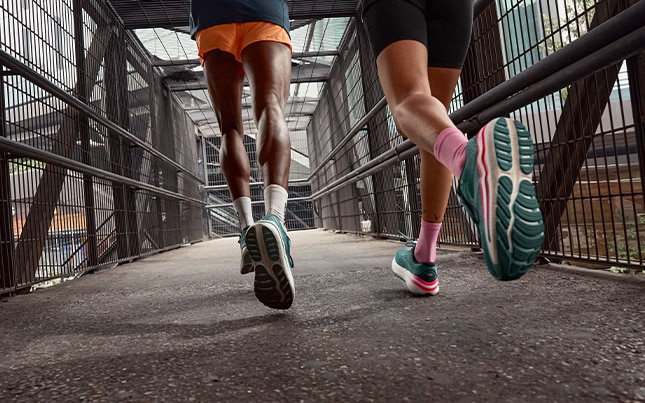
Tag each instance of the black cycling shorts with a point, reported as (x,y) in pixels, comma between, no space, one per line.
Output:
(443,26)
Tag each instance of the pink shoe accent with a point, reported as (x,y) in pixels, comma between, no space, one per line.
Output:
(427,287)
(450,149)
(482,166)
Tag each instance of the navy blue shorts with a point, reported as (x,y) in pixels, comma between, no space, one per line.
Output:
(443,26)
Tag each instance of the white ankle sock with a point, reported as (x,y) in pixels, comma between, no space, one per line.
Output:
(275,201)
(244,211)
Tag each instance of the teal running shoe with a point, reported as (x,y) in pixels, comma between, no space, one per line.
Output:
(421,278)
(246,266)
(270,249)
(497,192)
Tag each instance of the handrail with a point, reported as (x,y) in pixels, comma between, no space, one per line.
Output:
(257,202)
(350,135)
(224,187)
(620,49)
(604,34)
(27,72)
(55,159)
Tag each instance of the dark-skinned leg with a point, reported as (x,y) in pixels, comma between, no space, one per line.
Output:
(225,80)
(268,68)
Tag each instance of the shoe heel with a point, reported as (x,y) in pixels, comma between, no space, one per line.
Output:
(273,284)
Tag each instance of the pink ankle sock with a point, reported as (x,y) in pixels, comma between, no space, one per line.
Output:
(450,149)
(426,249)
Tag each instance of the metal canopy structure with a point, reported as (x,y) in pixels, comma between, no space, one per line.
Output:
(317,27)
(174,13)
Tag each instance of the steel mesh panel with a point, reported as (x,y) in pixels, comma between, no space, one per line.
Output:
(588,153)
(123,177)
(78,107)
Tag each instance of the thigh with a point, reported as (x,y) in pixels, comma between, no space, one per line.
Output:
(225,78)
(390,21)
(449,28)
(402,70)
(268,67)
(223,37)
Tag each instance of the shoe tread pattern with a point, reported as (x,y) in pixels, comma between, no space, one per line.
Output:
(522,215)
(271,285)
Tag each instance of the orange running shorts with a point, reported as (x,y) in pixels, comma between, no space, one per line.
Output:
(234,37)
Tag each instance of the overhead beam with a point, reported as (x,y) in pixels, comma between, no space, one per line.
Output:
(175,13)
(305,73)
(195,62)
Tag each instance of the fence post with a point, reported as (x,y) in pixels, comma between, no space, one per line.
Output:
(7,267)
(636,74)
(84,134)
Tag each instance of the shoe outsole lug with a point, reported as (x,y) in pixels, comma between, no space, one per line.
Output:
(271,285)
(519,225)
(247,264)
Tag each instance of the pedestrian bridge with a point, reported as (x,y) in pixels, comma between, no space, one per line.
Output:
(184,325)
(118,239)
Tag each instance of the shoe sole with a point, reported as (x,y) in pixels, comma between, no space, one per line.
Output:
(415,284)
(511,230)
(247,265)
(273,283)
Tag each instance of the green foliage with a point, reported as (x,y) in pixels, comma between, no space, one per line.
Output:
(626,270)
(24,164)
(566,26)
(625,245)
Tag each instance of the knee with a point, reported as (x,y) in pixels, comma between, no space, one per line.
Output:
(270,113)
(416,108)
(414,104)
(269,101)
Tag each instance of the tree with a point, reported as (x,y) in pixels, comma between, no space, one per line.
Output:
(570,21)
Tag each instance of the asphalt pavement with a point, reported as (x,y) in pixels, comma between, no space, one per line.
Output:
(184,325)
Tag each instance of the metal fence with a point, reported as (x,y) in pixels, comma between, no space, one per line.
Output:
(222,219)
(94,170)
(572,71)
(101,162)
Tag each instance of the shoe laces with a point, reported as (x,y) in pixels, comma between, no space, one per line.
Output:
(409,242)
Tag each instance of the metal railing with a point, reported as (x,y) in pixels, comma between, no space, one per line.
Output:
(86,177)
(99,164)
(371,174)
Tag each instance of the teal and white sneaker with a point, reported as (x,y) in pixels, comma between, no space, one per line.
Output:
(270,250)
(498,194)
(421,278)
(246,266)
